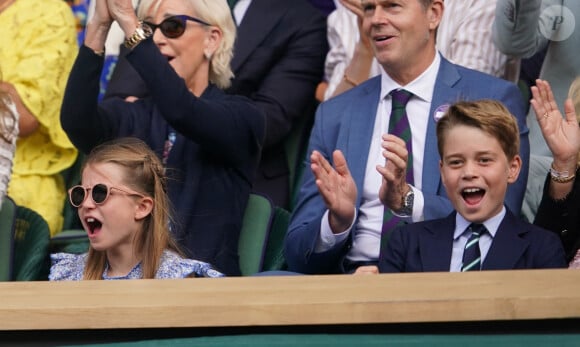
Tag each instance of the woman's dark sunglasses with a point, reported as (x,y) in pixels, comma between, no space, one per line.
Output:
(174,26)
(99,193)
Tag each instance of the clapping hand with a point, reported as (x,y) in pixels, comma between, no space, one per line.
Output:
(337,188)
(394,185)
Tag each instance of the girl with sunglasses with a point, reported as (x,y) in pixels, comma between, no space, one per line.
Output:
(124,209)
(209,142)
(8,136)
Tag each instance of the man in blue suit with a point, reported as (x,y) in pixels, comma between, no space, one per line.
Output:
(478,144)
(336,225)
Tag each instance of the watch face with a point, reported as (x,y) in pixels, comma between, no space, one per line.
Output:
(407,209)
(147,29)
(409,198)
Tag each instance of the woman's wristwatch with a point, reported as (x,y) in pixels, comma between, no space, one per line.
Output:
(142,32)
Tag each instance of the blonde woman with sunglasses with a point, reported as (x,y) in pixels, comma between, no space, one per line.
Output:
(123,206)
(209,142)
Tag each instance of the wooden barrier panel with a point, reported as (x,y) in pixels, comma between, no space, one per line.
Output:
(291,300)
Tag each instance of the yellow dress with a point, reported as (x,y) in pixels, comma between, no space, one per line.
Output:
(37,49)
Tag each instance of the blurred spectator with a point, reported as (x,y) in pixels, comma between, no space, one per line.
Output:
(8,135)
(37,49)
(523,29)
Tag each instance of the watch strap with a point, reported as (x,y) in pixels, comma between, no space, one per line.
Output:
(141,33)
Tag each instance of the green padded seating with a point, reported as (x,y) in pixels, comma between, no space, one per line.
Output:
(24,240)
(31,240)
(254,234)
(274,257)
(7,220)
(295,147)
(70,241)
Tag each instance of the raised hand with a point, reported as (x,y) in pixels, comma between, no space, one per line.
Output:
(337,188)
(562,135)
(102,14)
(98,27)
(394,185)
(124,13)
(355,7)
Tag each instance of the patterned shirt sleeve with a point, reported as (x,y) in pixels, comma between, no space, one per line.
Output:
(67,267)
(174,266)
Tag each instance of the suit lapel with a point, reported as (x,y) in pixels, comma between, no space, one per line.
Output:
(443,94)
(257,23)
(355,137)
(507,247)
(436,244)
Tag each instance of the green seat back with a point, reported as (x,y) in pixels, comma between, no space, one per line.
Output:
(31,240)
(73,241)
(7,219)
(295,147)
(254,234)
(274,257)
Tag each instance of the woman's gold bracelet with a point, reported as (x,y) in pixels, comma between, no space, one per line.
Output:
(561,176)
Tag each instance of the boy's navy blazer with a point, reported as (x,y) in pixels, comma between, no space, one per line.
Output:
(427,246)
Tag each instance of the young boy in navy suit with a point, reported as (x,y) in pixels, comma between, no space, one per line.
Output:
(478,143)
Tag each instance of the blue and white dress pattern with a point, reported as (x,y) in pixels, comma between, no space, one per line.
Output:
(70,267)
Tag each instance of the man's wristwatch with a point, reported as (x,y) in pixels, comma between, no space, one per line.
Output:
(142,32)
(407,204)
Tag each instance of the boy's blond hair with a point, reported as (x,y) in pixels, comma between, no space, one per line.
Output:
(490,116)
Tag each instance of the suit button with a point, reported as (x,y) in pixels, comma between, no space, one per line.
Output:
(564,232)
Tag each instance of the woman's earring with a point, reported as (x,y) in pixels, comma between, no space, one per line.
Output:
(207,55)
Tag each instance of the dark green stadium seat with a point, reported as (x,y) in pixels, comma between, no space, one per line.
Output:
(7,219)
(274,257)
(254,234)
(31,240)
(70,241)
(24,239)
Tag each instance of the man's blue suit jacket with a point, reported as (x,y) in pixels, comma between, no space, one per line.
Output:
(427,246)
(346,123)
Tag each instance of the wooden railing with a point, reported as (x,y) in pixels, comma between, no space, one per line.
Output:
(291,300)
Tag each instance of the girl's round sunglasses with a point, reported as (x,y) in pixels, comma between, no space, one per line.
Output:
(99,193)
(174,26)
